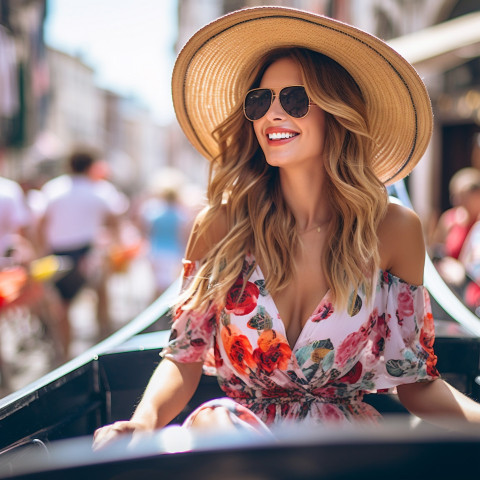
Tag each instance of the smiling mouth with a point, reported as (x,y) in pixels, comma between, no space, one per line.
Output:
(281,136)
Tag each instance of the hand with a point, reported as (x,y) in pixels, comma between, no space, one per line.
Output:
(109,433)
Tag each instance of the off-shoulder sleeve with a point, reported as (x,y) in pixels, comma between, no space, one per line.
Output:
(407,332)
(192,332)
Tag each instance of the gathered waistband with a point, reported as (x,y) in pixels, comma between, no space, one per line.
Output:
(302,397)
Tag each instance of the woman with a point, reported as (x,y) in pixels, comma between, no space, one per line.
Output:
(300,275)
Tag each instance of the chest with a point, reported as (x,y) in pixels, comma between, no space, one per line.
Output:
(300,298)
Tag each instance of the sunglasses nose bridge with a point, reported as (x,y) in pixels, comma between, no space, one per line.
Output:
(276,108)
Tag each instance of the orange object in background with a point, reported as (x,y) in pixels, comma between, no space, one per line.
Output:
(12,280)
(99,171)
(21,285)
(120,256)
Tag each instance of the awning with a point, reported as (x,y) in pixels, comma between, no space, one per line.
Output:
(443,46)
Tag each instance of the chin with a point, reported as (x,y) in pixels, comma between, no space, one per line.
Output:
(278,160)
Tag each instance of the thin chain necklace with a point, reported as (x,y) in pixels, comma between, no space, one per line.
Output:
(318,228)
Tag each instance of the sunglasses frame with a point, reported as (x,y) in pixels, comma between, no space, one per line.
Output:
(272,99)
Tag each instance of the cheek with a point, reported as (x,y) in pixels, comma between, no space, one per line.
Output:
(258,132)
(319,131)
(318,118)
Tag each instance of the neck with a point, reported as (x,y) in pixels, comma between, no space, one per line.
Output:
(306,195)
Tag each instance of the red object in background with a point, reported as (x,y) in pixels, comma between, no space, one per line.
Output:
(472,295)
(12,280)
(99,171)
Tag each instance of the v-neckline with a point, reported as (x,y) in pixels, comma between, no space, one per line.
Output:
(280,318)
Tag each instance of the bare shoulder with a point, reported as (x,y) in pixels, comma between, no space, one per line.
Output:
(402,245)
(203,239)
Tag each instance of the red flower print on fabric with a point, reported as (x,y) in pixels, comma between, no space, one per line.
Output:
(382,327)
(218,356)
(188,269)
(382,332)
(270,412)
(178,313)
(326,392)
(234,380)
(276,392)
(405,303)
(273,352)
(232,392)
(427,339)
(324,311)
(242,301)
(353,375)
(197,342)
(378,346)
(238,349)
(285,409)
(353,344)
(332,413)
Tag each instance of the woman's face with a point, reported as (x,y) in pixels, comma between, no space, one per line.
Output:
(304,144)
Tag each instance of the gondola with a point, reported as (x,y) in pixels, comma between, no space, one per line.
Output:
(46,427)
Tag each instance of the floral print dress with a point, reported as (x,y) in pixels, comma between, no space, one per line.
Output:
(339,356)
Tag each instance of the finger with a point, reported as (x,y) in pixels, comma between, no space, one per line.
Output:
(101,439)
(104,436)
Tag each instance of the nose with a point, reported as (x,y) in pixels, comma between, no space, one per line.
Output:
(275,111)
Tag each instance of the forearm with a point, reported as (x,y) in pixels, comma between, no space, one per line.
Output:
(41,236)
(113,223)
(170,388)
(438,402)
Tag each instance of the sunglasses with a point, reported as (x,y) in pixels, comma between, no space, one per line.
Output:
(294,101)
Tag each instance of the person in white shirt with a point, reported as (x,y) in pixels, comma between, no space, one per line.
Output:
(15,216)
(77,208)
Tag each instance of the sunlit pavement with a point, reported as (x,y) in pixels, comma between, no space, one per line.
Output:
(28,355)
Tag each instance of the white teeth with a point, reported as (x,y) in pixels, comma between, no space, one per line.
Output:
(280,136)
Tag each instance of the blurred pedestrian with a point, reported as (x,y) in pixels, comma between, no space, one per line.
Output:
(455,223)
(77,208)
(166,226)
(14,247)
(452,230)
(15,219)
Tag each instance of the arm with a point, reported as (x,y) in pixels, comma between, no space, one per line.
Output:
(170,388)
(113,223)
(403,253)
(43,247)
(438,402)
(173,384)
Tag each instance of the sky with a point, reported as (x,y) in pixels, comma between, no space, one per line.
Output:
(129,44)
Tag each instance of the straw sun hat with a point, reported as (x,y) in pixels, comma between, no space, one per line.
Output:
(210,75)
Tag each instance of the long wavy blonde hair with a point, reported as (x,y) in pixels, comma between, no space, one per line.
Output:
(260,222)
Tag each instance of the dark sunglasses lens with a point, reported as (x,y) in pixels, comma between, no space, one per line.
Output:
(294,101)
(257,103)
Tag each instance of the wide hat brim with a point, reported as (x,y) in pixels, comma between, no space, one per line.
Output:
(210,75)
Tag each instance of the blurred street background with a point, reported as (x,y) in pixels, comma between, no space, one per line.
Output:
(28,351)
(95,74)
